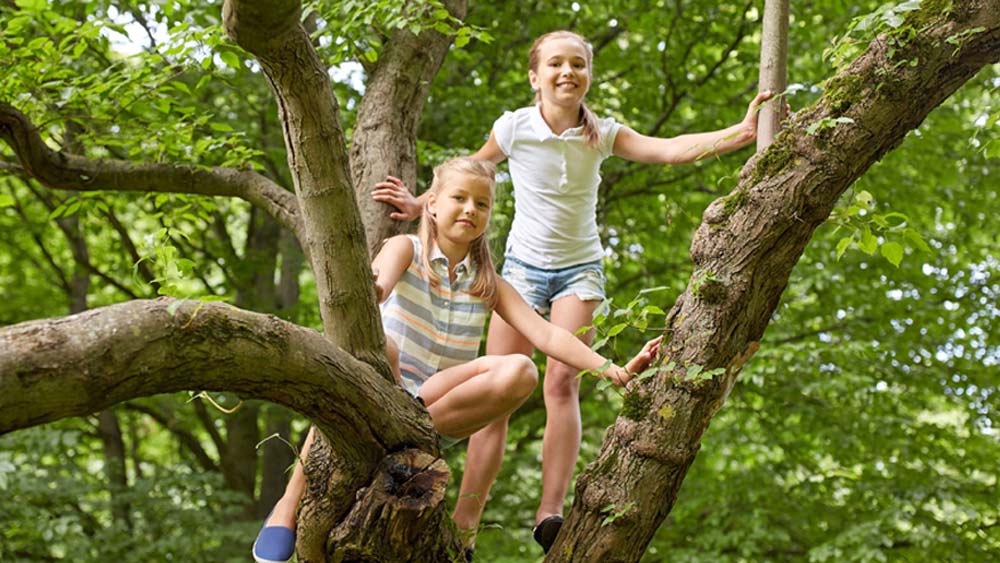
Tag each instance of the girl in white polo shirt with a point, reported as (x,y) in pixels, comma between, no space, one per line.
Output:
(553,254)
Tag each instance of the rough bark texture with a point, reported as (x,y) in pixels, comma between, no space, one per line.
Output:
(334,237)
(773,69)
(743,253)
(77,365)
(384,142)
(355,508)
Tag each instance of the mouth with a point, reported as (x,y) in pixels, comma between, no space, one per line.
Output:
(466,223)
(565,85)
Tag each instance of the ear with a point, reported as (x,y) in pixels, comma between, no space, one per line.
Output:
(432,203)
(533,79)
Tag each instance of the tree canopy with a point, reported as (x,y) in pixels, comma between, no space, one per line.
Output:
(175,149)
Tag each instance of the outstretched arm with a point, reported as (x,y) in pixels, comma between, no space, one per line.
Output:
(689,148)
(560,344)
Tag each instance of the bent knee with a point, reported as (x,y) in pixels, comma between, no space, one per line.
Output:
(521,375)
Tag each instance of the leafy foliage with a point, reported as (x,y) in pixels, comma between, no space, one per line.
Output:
(864,429)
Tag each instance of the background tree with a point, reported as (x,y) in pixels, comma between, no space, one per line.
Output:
(645,231)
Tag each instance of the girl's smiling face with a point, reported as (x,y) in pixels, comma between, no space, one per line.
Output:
(461,208)
(562,74)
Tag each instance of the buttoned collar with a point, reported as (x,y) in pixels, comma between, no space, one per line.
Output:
(440,263)
(543,130)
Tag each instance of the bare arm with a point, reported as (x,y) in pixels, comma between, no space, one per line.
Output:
(560,344)
(689,148)
(390,263)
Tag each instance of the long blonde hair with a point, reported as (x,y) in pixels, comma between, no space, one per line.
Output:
(484,285)
(591,132)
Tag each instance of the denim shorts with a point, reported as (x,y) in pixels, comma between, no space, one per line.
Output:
(541,287)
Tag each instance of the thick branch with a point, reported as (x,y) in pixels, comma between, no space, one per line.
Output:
(78,365)
(744,252)
(66,171)
(317,157)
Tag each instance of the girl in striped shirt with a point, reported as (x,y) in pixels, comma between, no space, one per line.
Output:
(437,290)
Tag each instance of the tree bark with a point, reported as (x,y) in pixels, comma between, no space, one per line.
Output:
(743,253)
(385,133)
(334,237)
(773,69)
(66,171)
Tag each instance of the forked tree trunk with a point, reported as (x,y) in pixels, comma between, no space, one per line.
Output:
(375,486)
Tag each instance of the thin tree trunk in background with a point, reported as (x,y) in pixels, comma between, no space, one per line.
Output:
(278,456)
(114,465)
(773,69)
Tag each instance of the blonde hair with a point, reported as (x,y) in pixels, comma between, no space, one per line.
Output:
(484,285)
(591,132)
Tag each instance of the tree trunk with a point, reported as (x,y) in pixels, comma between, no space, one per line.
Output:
(743,252)
(385,134)
(773,69)
(374,491)
(333,234)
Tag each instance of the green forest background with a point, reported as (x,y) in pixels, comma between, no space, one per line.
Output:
(865,428)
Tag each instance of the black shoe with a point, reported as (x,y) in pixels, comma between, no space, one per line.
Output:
(546,531)
(468,554)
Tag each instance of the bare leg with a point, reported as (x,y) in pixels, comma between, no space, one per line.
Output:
(482,464)
(466,398)
(561,441)
(283,513)
(486,447)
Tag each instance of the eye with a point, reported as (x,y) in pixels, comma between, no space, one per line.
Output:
(458,197)
(483,205)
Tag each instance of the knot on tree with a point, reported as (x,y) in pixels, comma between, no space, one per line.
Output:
(406,481)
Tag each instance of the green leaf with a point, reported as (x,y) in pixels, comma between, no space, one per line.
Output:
(893,252)
(842,245)
(868,243)
(6,200)
(31,5)
(231,59)
(617,329)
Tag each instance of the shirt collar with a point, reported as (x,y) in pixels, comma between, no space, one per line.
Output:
(543,130)
(440,262)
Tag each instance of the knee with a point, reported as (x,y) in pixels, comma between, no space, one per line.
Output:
(520,375)
(561,382)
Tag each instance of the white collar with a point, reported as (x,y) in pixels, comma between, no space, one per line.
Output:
(542,129)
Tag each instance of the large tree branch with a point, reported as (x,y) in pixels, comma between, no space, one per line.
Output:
(744,252)
(317,157)
(64,171)
(72,366)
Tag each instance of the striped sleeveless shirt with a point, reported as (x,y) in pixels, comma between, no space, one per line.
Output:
(435,328)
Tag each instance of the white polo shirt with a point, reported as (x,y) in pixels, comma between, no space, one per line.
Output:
(555,188)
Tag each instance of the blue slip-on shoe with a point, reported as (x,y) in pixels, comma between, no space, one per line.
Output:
(274,544)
